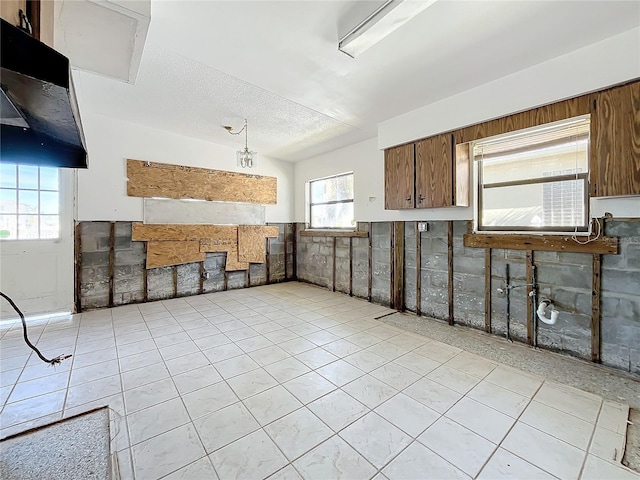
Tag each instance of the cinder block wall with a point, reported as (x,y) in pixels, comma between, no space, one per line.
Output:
(562,277)
(164,282)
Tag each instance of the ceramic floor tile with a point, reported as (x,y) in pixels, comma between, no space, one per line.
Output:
(433,395)
(340,373)
(200,469)
(407,414)
(479,418)
(438,351)
(287,369)
(142,376)
(225,426)
(195,379)
(598,469)
(243,334)
(409,341)
(607,445)
(149,394)
(209,399)
(570,400)
(369,391)
(253,456)
(387,350)
(32,408)
(363,339)
(417,363)
(280,336)
(546,452)
(139,360)
(416,460)
(321,337)
(39,386)
(454,379)
(297,345)
(337,409)
(341,348)
(298,432)
(334,459)
(167,452)
(309,387)
(268,355)
(178,350)
(558,424)
(157,419)
(515,380)
(365,360)
(90,391)
(93,372)
(498,398)
(505,465)
(223,352)
(236,366)
(375,439)
(472,364)
(316,358)
(210,341)
(395,375)
(458,445)
(272,404)
(250,383)
(614,416)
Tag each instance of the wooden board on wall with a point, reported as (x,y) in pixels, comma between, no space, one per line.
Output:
(232,263)
(546,243)
(148,179)
(223,234)
(163,254)
(251,242)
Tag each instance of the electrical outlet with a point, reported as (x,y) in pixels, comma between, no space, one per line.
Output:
(423,226)
(205,275)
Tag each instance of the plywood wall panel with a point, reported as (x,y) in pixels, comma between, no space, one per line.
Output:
(251,242)
(224,234)
(148,179)
(232,263)
(163,254)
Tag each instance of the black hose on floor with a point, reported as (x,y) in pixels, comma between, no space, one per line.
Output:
(53,361)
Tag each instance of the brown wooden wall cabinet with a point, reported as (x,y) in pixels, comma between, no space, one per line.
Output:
(425,174)
(615,142)
(439,174)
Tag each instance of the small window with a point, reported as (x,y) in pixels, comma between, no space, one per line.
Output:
(29,202)
(331,202)
(535,179)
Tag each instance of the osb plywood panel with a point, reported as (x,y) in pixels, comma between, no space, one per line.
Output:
(232,254)
(166,210)
(225,234)
(148,179)
(251,242)
(163,254)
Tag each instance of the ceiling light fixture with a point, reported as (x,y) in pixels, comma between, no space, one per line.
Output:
(390,16)
(245,158)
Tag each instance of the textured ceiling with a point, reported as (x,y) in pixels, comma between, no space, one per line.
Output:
(276,63)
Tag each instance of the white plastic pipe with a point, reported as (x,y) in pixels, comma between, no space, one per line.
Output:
(542,307)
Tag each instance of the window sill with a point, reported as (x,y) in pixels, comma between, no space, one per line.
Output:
(548,243)
(333,233)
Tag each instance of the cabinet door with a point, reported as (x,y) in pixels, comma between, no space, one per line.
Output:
(399,171)
(615,142)
(434,172)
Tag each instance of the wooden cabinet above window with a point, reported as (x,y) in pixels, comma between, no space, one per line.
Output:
(429,173)
(615,142)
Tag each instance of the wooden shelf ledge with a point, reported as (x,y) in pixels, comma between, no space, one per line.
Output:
(333,233)
(546,243)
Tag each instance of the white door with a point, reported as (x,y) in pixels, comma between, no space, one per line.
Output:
(36,239)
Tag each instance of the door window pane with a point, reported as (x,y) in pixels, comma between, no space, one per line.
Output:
(8,201)
(27,201)
(8,227)
(48,178)
(8,175)
(28,177)
(27,227)
(49,226)
(49,202)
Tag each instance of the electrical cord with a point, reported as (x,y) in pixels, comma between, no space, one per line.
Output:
(53,361)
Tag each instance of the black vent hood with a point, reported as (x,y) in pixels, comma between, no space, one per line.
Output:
(40,118)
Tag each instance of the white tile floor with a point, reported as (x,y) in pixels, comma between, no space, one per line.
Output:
(288,381)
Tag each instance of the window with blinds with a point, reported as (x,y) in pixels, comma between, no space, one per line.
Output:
(535,179)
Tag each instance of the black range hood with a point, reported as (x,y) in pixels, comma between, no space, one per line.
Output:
(40,118)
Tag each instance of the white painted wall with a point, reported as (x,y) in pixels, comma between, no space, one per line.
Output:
(597,66)
(102,188)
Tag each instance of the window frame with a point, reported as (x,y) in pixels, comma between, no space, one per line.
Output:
(331,202)
(17,189)
(584,229)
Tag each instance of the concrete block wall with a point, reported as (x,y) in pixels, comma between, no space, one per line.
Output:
(129,267)
(564,278)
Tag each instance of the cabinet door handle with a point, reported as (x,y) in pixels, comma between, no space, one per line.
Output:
(408,199)
(420,198)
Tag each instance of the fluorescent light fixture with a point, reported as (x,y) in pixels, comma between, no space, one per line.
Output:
(385,20)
